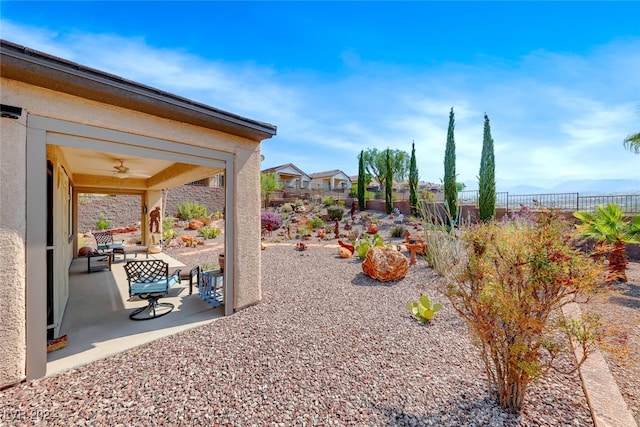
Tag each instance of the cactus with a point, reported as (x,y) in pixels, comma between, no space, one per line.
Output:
(423,309)
(362,245)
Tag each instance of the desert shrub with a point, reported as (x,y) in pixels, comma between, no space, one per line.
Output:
(190,210)
(427,196)
(209,232)
(443,247)
(327,201)
(299,202)
(340,203)
(335,213)
(305,231)
(270,219)
(286,208)
(168,223)
(169,234)
(397,231)
(316,222)
(102,223)
(512,281)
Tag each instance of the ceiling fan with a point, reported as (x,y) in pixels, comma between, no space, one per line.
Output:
(121,170)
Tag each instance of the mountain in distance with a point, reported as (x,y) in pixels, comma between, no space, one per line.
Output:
(583,186)
(599,186)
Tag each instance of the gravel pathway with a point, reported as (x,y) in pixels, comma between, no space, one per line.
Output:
(326,346)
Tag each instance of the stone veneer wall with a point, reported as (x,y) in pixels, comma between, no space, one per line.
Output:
(123,210)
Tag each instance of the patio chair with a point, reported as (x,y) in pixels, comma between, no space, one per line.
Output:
(106,245)
(150,280)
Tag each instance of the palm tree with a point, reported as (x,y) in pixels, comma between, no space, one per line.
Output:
(632,143)
(608,227)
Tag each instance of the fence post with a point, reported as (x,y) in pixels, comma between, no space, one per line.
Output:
(577,202)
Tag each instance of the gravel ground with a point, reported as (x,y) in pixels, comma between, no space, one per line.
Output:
(326,346)
(619,308)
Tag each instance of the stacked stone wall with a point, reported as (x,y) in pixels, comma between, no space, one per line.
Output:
(124,210)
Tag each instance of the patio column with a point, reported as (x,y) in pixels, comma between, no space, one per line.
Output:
(152,199)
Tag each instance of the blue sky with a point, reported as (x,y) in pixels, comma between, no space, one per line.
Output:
(560,81)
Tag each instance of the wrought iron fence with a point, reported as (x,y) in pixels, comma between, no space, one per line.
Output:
(630,203)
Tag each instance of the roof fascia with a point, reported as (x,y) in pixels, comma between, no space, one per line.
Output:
(43,70)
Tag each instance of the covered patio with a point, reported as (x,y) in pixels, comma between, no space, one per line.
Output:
(70,129)
(97,321)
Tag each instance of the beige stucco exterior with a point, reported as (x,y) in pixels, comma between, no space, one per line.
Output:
(52,120)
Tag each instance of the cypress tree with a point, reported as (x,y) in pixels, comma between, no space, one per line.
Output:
(487,180)
(450,187)
(413,180)
(361,183)
(388,193)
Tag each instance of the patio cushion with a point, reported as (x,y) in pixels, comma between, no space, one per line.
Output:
(144,287)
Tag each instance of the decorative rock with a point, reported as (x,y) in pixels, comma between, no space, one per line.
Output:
(385,264)
(344,252)
(195,224)
(300,209)
(347,246)
(372,228)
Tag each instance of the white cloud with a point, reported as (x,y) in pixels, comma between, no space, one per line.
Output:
(553,116)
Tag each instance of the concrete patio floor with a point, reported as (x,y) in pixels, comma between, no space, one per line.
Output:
(96,319)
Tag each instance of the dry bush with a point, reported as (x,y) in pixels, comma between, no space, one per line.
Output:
(515,277)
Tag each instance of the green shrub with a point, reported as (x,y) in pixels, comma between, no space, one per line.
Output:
(316,222)
(169,234)
(335,213)
(286,208)
(299,202)
(327,201)
(190,210)
(305,231)
(102,223)
(209,232)
(397,231)
(168,223)
(340,203)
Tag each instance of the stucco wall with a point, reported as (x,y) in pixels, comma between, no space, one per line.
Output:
(12,249)
(46,103)
(247,258)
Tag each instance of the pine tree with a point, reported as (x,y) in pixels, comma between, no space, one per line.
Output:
(450,187)
(413,180)
(487,180)
(361,183)
(388,194)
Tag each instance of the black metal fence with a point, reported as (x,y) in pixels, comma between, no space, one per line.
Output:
(630,203)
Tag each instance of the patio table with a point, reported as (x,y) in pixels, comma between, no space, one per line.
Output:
(102,266)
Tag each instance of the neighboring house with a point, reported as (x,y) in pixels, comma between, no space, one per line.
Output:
(330,180)
(290,176)
(68,129)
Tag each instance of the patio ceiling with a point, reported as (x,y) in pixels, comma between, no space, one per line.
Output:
(97,169)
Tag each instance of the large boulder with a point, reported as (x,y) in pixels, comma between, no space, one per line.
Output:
(385,264)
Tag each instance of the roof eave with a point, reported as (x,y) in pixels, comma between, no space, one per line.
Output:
(40,69)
